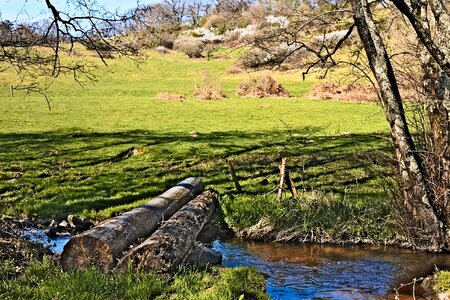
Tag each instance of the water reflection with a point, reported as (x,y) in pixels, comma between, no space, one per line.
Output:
(54,244)
(311,271)
(331,272)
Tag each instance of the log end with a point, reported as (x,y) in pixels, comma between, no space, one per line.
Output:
(148,256)
(82,252)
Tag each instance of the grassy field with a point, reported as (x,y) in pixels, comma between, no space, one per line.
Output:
(74,157)
(77,159)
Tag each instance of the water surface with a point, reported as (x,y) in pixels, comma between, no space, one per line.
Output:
(309,271)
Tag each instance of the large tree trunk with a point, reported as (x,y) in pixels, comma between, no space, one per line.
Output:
(103,244)
(172,243)
(436,93)
(427,230)
(437,154)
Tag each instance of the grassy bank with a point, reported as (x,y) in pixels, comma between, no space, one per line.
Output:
(45,280)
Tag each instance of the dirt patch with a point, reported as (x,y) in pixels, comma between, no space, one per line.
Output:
(170,96)
(262,87)
(355,92)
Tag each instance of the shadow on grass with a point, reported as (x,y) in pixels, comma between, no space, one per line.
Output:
(86,173)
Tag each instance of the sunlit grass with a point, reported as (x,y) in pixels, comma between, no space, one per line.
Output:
(45,280)
(69,159)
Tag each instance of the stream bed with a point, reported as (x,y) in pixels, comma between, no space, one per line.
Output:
(312,271)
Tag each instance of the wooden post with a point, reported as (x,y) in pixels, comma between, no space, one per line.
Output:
(233,175)
(11,91)
(282,174)
(290,184)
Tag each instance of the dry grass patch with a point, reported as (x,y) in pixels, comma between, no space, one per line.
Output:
(170,96)
(209,93)
(262,87)
(233,71)
(208,88)
(355,92)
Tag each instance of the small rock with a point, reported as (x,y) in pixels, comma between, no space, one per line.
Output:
(17,175)
(193,134)
(79,224)
(64,223)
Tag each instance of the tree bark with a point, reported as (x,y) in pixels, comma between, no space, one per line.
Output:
(427,230)
(439,124)
(102,245)
(171,244)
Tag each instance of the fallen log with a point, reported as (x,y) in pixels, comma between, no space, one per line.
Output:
(171,244)
(102,245)
(202,256)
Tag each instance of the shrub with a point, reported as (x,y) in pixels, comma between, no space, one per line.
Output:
(221,23)
(191,47)
(154,36)
(355,92)
(262,87)
(215,21)
(208,89)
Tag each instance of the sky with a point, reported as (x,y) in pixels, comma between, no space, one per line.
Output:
(32,10)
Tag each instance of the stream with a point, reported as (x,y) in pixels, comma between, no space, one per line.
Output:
(312,271)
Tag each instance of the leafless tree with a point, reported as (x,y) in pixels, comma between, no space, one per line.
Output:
(34,50)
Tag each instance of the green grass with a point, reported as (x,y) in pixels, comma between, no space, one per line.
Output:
(45,280)
(441,282)
(90,128)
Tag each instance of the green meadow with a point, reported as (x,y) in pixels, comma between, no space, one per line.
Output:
(76,157)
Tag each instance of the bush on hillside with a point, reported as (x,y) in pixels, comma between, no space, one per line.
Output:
(222,22)
(262,87)
(193,48)
(154,35)
(208,89)
(355,92)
